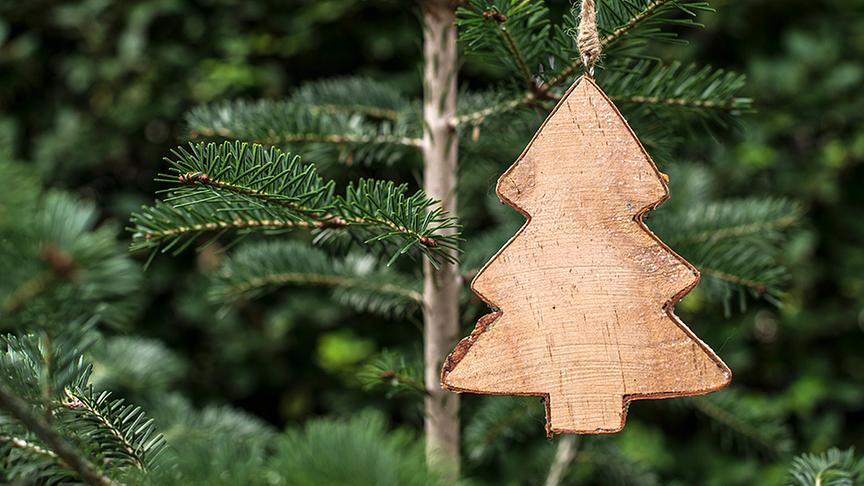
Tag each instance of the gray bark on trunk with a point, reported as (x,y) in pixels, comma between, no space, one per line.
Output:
(441,287)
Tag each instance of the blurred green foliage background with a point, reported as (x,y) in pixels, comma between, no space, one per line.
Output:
(93,93)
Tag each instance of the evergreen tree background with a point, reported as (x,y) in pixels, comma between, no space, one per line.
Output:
(294,357)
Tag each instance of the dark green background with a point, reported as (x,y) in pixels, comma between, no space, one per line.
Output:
(92,96)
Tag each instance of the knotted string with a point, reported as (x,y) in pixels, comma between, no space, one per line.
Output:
(588,39)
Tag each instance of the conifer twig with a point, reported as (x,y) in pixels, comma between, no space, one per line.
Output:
(69,456)
(322,280)
(733,422)
(756,286)
(730,104)
(246,188)
(339,138)
(28,446)
(543,91)
(108,424)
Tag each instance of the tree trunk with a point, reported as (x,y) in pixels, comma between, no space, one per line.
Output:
(564,455)
(441,287)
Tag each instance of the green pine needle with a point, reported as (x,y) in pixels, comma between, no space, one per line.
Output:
(830,468)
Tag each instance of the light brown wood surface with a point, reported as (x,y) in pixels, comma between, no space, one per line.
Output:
(584,292)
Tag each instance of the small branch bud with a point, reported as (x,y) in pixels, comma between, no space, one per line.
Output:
(427,241)
(191,178)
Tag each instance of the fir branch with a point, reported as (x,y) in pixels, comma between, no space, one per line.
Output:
(160,222)
(370,111)
(50,249)
(501,420)
(477,116)
(280,279)
(415,219)
(761,218)
(29,447)
(122,432)
(354,136)
(728,105)
(745,422)
(520,29)
(830,468)
(696,89)
(759,287)
(518,56)
(242,187)
(618,21)
(37,367)
(353,95)
(366,453)
(356,281)
(733,243)
(700,90)
(637,21)
(650,9)
(69,456)
(309,137)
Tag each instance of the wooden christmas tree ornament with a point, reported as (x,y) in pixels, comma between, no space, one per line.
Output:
(584,292)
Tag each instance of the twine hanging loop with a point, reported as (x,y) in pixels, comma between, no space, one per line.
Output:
(588,39)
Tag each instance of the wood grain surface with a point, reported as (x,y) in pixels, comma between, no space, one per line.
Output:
(584,292)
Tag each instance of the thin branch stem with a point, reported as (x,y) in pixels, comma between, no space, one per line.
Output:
(323,280)
(70,457)
(739,230)
(406,380)
(255,194)
(338,139)
(716,413)
(509,41)
(633,22)
(237,224)
(315,219)
(109,425)
(25,445)
(756,286)
(504,107)
(370,111)
(560,77)
(730,104)
(517,55)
